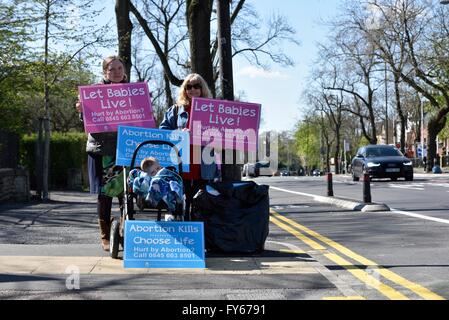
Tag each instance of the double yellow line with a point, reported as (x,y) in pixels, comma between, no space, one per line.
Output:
(311,237)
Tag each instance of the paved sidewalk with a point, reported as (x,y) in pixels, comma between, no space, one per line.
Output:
(45,238)
(41,244)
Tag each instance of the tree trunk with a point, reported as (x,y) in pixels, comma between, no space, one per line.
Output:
(225,50)
(198,22)
(231,171)
(328,156)
(337,150)
(372,117)
(400,112)
(46,148)
(124,31)
(434,127)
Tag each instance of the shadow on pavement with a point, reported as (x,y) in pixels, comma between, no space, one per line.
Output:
(23,278)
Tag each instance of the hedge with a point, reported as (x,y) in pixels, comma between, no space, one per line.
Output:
(67,151)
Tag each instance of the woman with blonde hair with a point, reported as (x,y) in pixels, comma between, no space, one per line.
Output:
(177,117)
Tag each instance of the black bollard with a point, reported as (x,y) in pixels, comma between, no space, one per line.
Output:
(330,189)
(366,188)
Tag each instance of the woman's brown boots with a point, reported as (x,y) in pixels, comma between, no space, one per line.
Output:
(105,227)
(104,206)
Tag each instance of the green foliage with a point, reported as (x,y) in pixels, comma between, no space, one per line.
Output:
(287,151)
(444,134)
(67,150)
(21,96)
(362,142)
(22,66)
(12,63)
(307,137)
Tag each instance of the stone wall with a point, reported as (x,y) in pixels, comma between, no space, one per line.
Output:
(14,185)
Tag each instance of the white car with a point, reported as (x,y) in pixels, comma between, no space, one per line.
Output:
(248,169)
(254,169)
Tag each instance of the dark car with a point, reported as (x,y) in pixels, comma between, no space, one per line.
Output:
(381,161)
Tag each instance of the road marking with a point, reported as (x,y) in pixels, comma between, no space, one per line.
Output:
(419,216)
(408,187)
(369,280)
(410,214)
(360,274)
(416,288)
(294,192)
(313,244)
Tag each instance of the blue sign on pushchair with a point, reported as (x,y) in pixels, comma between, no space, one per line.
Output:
(129,138)
(150,244)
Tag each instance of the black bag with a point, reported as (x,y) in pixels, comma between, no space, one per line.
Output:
(235,216)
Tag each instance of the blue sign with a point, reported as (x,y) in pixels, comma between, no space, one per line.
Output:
(150,244)
(419,152)
(128,138)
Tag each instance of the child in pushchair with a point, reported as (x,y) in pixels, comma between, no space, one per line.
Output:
(158,187)
(153,187)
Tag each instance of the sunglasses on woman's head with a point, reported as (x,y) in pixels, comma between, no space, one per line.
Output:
(194,86)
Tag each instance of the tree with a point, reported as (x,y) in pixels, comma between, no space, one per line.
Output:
(307,134)
(57,21)
(14,34)
(248,36)
(165,23)
(199,14)
(287,151)
(352,68)
(124,32)
(413,40)
(202,53)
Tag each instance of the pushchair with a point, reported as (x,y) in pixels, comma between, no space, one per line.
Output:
(127,210)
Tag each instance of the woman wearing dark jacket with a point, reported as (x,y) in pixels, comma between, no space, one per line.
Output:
(101,149)
(177,117)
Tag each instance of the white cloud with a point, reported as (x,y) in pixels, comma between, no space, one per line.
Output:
(254,72)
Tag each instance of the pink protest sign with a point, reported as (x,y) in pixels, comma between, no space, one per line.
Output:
(225,124)
(105,107)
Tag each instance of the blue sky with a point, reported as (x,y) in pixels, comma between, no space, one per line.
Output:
(279,89)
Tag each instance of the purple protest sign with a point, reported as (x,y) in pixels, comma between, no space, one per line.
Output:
(105,107)
(225,124)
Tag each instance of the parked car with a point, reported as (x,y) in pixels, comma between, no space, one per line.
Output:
(381,161)
(248,169)
(262,168)
(257,169)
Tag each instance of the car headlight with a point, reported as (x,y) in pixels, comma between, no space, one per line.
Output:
(409,163)
(373,164)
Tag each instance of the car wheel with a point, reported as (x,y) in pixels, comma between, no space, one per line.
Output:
(409,178)
(394,179)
